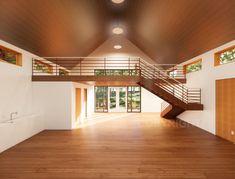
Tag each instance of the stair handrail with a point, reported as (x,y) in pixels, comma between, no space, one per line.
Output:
(174,91)
(184,90)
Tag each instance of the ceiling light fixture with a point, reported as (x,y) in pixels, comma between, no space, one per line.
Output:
(117,47)
(117,30)
(117,1)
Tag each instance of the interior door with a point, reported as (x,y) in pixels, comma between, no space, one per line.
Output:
(225,111)
(78,103)
(85,101)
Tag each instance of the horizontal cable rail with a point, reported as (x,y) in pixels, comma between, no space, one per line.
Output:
(86,66)
(163,75)
(169,84)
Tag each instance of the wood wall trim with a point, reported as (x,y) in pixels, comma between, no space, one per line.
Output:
(18,56)
(78,104)
(190,63)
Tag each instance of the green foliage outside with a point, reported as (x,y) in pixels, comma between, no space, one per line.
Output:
(122,72)
(194,67)
(8,56)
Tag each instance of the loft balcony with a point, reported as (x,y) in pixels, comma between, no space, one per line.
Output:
(102,71)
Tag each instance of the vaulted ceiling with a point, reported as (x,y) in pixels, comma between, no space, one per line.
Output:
(169,31)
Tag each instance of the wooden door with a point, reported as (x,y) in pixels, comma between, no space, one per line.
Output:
(85,101)
(225,109)
(78,104)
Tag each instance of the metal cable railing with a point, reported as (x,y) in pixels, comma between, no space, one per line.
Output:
(164,76)
(169,84)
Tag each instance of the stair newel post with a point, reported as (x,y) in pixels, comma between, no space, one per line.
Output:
(154,71)
(182,93)
(139,68)
(80,66)
(129,66)
(200,95)
(33,67)
(187,95)
(105,66)
(56,67)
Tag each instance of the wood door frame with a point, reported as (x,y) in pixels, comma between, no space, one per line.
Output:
(78,104)
(224,128)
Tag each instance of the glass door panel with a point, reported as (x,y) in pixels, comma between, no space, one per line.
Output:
(112,97)
(101,99)
(122,98)
(134,99)
(117,99)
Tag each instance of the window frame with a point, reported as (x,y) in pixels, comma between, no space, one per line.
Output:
(191,63)
(217,56)
(50,67)
(18,56)
(66,73)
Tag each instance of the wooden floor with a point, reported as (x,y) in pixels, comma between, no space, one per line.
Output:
(130,146)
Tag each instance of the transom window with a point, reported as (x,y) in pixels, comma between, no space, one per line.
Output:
(10,56)
(194,66)
(225,56)
(114,72)
(63,72)
(40,66)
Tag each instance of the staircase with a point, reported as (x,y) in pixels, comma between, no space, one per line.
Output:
(165,81)
(179,98)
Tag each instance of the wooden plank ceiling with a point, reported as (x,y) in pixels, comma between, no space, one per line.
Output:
(169,31)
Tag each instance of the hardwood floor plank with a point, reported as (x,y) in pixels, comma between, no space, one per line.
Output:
(135,146)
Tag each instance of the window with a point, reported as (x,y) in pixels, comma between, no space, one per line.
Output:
(194,66)
(10,56)
(225,56)
(40,66)
(101,99)
(122,72)
(63,72)
(133,99)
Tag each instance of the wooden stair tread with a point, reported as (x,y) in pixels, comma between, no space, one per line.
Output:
(176,107)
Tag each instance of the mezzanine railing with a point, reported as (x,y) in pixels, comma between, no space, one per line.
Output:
(98,66)
(169,84)
(164,76)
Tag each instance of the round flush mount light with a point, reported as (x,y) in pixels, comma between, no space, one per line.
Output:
(117,47)
(117,30)
(117,1)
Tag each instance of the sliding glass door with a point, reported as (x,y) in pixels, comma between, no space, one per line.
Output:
(117,99)
(101,99)
(134,99)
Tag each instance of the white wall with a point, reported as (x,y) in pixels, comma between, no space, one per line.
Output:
(54,101)
(205,79)
(57,102)
(21,129)
(150,102)
(16,96)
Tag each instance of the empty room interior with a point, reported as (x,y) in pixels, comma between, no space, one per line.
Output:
(117,89)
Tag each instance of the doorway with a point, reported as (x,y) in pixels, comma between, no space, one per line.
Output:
(117,99)
(225,101)
(81,104)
